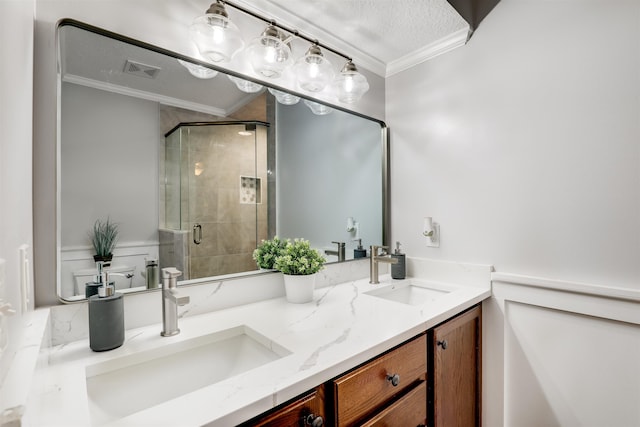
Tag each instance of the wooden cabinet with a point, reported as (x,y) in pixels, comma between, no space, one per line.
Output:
(370,389)
(408,411)
(307,410)
(455,370)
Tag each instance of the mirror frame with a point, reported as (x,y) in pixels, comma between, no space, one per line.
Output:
(385,141)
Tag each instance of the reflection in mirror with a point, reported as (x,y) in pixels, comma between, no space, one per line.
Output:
(196,172)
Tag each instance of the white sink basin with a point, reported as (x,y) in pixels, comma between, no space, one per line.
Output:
(128,384)
(411,292)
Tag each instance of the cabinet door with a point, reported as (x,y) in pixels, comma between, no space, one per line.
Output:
(408,411)
(306,411)
(456,357)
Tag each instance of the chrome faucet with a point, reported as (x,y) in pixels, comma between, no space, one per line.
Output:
(377,258)
(170,301)
(339,253)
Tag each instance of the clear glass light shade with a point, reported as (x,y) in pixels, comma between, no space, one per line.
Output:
(284,97)
(318,109)
(350,84)
(269,56)
(246,85)
(198,70)
(217,38)
(313,72)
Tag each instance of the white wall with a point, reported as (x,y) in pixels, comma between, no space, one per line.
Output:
(525,146)
(165,24)
(16,89)
(525,143)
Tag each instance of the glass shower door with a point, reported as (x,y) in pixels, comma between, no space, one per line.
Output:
(223,195)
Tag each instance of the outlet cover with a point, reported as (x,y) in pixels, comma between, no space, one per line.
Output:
(434,241)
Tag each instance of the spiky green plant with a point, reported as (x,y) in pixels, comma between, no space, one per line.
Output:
(104,237)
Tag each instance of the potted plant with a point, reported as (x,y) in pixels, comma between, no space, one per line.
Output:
(104,237)
(299,264)
(265,254)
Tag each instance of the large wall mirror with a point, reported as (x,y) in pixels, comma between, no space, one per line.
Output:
(196,172)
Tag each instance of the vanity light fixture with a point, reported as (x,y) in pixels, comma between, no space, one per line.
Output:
(246,85)
(217,38)
(351,84)
(318,109)
(270,55)
(313,70)
(198,70)
(284,97)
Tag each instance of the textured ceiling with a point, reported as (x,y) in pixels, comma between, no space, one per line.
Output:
(383,35)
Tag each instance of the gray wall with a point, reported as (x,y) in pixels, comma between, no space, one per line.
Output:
(328,170)
(525,144)
(109,164)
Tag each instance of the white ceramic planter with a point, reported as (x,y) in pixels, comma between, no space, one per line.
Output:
(299,289)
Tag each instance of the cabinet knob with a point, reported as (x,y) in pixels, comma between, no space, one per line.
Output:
(313,420)
(393,379)
(442,344)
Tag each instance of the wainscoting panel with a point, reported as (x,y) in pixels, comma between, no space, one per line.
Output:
(569,355)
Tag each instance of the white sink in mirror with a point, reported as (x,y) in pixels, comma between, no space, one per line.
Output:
(411,292)
(128,384)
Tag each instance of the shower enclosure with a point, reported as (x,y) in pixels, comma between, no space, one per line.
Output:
(216,197)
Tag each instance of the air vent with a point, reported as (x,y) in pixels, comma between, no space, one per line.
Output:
(141,70)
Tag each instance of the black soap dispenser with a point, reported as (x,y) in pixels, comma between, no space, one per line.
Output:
(399,269)
(106,317)
(359,252)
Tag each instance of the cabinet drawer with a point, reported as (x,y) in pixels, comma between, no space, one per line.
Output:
(408,411)
(361,392)
(300,412)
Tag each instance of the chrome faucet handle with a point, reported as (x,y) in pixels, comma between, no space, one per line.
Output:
(374,250)
(183,300)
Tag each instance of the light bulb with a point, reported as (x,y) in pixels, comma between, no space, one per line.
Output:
(313,71)
(351,85)
(268,54)
(217,38)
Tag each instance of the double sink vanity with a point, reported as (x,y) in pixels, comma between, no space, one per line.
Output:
(353,356)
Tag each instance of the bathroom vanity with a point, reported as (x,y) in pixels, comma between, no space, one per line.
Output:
(432,379)
(336,358)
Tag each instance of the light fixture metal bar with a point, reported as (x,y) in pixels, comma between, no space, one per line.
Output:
(288,30)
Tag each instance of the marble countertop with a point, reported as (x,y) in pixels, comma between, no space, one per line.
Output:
(342,328)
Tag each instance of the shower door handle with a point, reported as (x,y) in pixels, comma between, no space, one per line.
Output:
(197,234)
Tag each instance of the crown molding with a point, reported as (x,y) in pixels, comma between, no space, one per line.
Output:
(445,44)
(149,96)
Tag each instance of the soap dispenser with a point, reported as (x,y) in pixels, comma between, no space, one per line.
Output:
(359,252)
(106,317)
(398,270)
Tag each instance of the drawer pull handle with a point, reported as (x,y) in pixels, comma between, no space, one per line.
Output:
(442,344)
(393,379)
(313,421)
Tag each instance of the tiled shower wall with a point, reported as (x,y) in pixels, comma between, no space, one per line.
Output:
(215,159)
